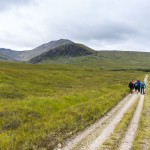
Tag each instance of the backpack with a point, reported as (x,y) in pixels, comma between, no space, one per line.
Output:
(131,84)
(136,84)
(142,84)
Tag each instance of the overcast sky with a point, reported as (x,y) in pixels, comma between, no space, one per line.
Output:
(99,24)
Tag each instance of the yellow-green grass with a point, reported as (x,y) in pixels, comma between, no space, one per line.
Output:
(142,140)
(115,139)
(42,105)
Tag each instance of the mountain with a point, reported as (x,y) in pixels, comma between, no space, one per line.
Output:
(67,50)
(4,57)
(27,55)
(8,54)
(51,49)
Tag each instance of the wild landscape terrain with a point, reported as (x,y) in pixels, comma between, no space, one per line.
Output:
(51,93)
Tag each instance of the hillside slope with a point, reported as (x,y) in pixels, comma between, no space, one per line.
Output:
(8,54)
(5,57)
(29,54)
(106,60)
(71,50)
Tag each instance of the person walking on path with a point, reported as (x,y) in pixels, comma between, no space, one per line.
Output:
(131,86)
(142,87)
(138,81)
(137,86)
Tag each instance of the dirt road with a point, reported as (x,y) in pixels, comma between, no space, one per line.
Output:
(94,137)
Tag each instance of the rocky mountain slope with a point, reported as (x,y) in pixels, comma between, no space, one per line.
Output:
(8,54)
(29,54)
(71,50)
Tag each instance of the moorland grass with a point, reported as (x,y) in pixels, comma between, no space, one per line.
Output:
(43,105)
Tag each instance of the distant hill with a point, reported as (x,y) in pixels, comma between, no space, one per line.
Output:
(67,50)
(111,60)
(7,54)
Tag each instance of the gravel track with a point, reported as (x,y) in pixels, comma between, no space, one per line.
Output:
(130,134)
(97,143)
(92,131)
(94,136)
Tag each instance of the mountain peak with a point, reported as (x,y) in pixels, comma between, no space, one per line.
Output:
(63,40)
(56,43)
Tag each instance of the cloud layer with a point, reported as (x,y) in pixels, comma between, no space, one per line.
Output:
(100,24)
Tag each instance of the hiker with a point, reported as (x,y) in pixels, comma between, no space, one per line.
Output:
(137,86)
(142,87)
(131,86)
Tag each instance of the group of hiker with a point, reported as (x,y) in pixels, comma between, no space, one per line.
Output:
(137,86)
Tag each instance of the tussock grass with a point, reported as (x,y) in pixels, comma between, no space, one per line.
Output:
(43,105)
(142,140)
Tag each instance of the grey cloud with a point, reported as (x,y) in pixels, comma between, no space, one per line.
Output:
(108,30)
(109,24)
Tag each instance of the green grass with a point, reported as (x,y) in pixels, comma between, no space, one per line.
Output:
(43,105)
(142,140)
